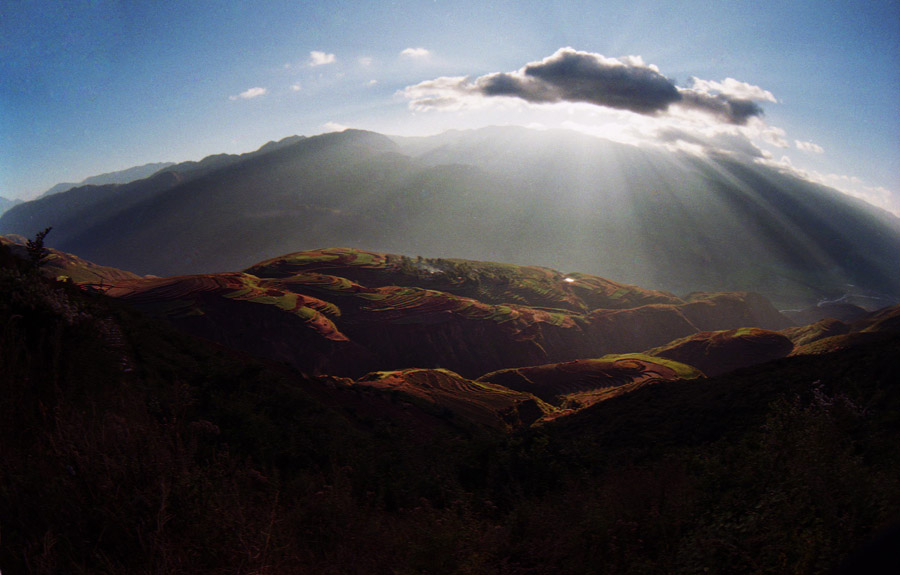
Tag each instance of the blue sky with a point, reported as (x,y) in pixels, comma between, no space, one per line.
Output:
(88,87)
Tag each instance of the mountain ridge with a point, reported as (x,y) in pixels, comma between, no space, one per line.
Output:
(558,200)
(125,176)
(6,204)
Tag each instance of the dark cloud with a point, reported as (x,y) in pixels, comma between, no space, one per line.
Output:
(518,87)
(583,77)
(732,110)
(573,76)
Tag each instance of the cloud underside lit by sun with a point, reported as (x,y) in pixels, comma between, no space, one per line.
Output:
(630,101)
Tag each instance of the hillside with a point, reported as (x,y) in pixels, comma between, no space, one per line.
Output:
(129,446)
(354,311)
(667,221)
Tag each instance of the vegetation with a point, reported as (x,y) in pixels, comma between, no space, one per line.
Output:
(128,447)
(37,253)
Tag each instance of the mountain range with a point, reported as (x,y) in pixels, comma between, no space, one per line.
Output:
(118,177)
(5,204)
(668,220)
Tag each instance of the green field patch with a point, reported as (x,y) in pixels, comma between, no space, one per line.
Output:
(287,302)
(364,259)
(372,296)
(502,314)
(745,331)
(305,258)
(324,282)
(237,294)
(682,370)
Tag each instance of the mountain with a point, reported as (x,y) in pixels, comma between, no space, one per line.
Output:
(119,177)
(6,204)
(664,220)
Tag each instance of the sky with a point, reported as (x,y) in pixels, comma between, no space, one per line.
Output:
(93,86)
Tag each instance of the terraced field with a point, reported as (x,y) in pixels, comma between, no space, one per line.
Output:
(830,335)
(840,342)
(479,402)
(489,282)
(322,261)
(600,293)
(806,334)
(400,312)
(582,381)
(185,296)
(716,352)
(884,320)
(414,305)
(415,325)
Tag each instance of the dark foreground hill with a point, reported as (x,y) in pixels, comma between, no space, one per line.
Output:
(129,447)
(562,200)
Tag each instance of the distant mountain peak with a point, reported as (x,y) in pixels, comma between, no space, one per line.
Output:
(6,204)
(557,199)
(118,177)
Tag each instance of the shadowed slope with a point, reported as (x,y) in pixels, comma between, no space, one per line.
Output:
(245,313)
(883,320)
(583,382)
(719,352)
(62,265)
(480,402)
(842,311)
(806,334)
(875,326)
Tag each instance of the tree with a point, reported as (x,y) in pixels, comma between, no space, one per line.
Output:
(37,253)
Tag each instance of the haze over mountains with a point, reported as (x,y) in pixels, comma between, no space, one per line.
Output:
(666,220)
(5,204)
(118,177)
